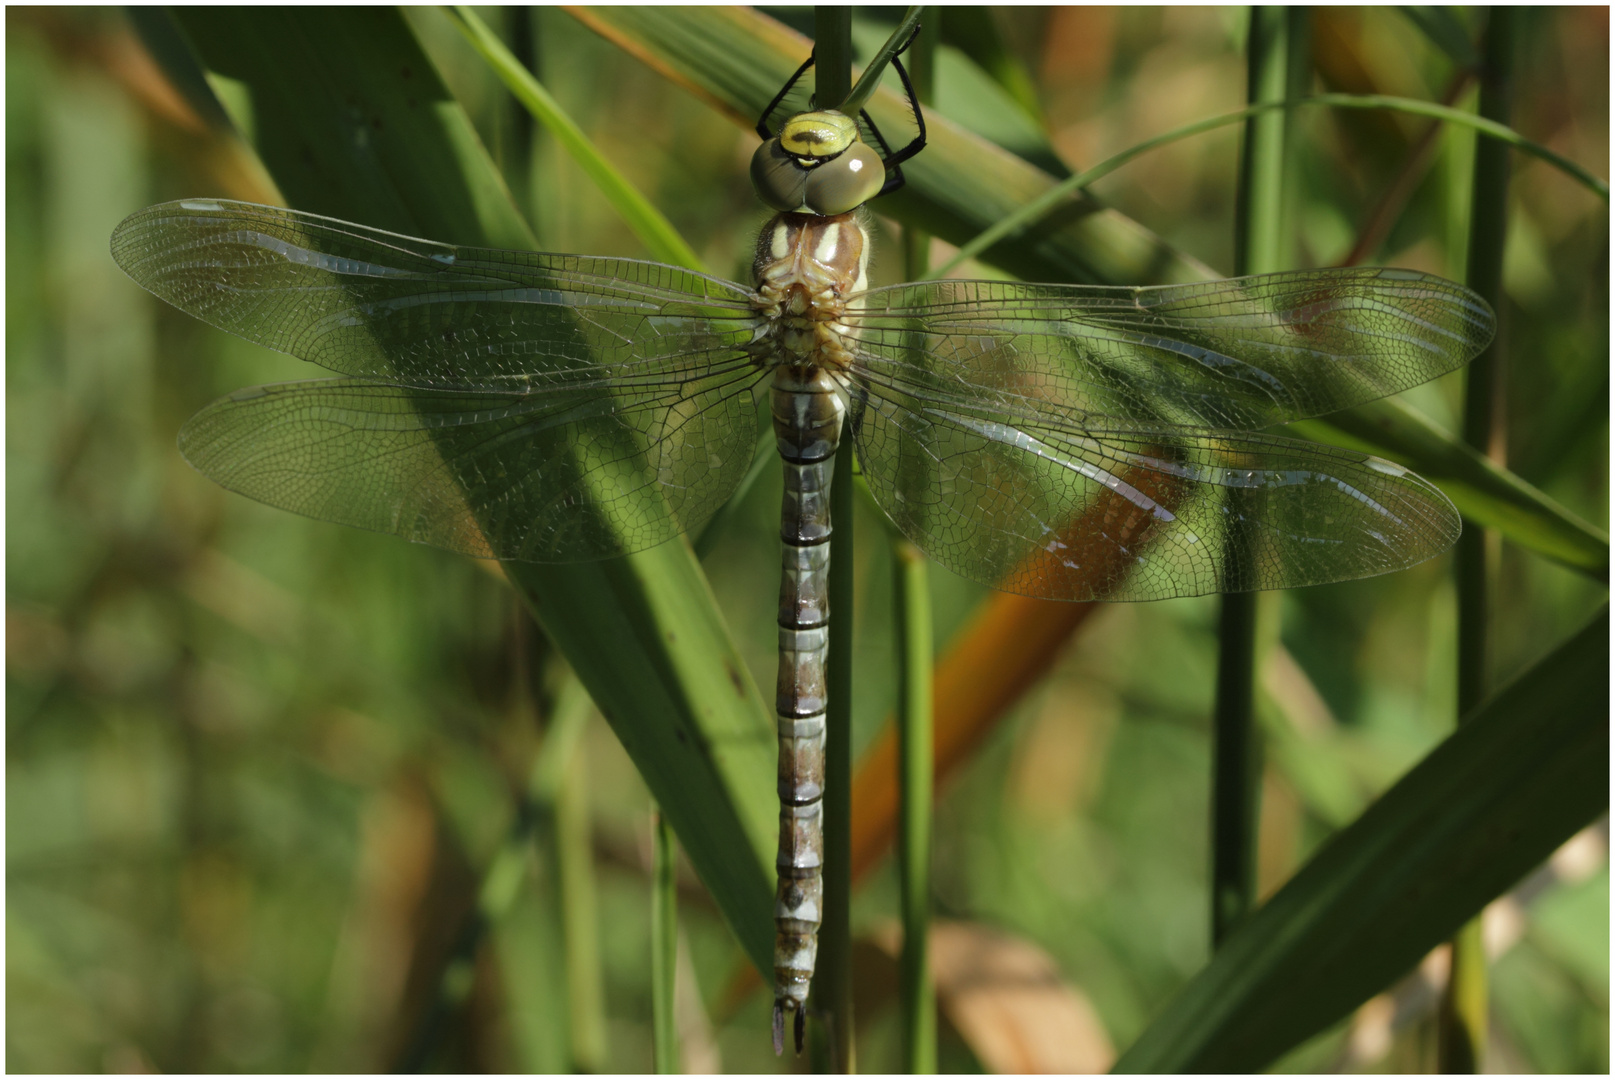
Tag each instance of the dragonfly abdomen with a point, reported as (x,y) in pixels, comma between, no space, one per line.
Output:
(807,426)
(806,269)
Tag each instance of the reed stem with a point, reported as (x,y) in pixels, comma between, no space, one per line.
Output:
(831,1000)
(915,717)
(1236,748)
(914,750)
(1461,1042)
(664,948)
(574,858)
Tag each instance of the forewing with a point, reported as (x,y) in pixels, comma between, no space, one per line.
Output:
(565,475)
(1117,511)
(1240,353)
(546,408)
(378,305)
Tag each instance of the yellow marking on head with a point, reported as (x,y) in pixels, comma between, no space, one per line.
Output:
(818,134)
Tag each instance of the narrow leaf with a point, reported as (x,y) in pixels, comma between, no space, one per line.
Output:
(870,79)
(658,235)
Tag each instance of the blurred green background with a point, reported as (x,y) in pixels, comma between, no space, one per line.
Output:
(256,764)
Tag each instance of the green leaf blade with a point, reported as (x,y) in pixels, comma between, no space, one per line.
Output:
(658,235)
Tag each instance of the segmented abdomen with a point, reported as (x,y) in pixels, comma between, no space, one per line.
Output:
(806,269)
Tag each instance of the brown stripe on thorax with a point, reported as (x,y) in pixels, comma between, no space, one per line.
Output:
(806,268)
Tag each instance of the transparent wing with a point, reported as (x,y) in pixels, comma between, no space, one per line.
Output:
(377,305)
(548,408)
(1107,510)
(1241,353)
(564,475)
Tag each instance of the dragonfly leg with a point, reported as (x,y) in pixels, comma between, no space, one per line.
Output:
(762,121)
(894,174)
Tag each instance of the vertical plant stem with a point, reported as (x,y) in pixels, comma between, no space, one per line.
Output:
(914,712)
(1236,750)
(832,1045)
(1461,1042)
(1258,241)
(586,1007)
(832,981)
(1236,769)
(517,159)
(558,794)
(914,750)
(664,947)
(832,52)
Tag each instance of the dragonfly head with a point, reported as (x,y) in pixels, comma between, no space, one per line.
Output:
(817,164)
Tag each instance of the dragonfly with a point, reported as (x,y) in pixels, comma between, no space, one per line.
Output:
(1072,442)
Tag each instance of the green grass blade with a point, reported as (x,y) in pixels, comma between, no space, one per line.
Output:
(353,121)
(1518,778)
(870,79)
(1490,128)
(648,223)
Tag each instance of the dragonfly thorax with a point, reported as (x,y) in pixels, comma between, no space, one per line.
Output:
(807,269)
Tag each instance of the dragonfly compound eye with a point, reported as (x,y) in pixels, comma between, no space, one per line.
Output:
(817,165)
